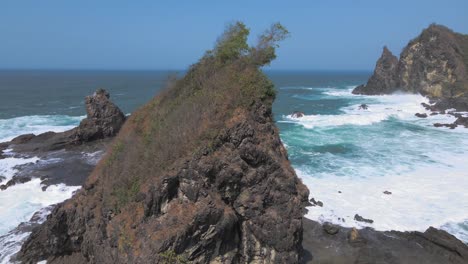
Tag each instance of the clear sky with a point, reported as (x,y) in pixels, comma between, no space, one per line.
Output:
(149,34)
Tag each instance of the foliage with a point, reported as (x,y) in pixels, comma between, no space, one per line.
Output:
(189,113)
(233,43)
(170,257)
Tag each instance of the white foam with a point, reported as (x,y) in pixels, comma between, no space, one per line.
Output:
(421,197)
(10,128)
(380,108)
(7,166)
(18,204)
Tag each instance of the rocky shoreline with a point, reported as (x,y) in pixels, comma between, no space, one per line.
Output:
(433,64)
(322,243)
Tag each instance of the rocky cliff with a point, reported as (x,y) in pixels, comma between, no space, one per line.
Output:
(434,64)
(199,175)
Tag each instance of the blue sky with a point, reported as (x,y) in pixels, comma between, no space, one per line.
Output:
(143,34)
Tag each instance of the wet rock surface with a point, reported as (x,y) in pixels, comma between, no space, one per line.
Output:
(369,246)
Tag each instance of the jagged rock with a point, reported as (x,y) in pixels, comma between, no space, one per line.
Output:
(384,79)
(362,219)
(104,118)
(199,172)
(297,114)
(423,115)
(433,64)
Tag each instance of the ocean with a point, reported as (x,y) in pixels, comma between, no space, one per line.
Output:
(348,157)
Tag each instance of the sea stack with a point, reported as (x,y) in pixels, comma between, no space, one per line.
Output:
(198,174)
(435,64)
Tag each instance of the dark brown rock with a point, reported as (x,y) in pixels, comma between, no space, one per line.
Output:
(104,118)
(213,185)
(384,79)
(387,192)
(424,115)
(370,246)
(362,219)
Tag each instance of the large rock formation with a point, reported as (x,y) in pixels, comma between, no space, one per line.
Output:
(198,174)
(434,64)
(104,119)
(384,79)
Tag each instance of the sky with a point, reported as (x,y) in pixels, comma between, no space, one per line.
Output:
(159,35)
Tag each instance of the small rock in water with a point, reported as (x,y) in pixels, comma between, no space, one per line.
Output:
(434,113)
(424,115)
(297,114)
(314,202)
(451,126)
(330,228)
(387,192)
(362,219)
(363,107)
(339,191)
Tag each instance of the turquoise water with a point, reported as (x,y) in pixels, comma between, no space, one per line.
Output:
(346,156)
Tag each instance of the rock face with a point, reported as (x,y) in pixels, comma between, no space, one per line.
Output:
(104,118)
(384,80)
(198,174)
(434,64)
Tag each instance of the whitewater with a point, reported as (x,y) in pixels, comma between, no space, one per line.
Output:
(20,202)
(350,157)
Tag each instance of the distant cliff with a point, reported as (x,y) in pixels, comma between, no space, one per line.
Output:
(434,64)
(199,175)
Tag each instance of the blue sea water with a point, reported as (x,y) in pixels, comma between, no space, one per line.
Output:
(347,157)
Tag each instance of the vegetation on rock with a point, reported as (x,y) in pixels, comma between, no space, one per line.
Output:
(199,171)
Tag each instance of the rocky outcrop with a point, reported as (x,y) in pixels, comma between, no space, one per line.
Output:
(434,64)
(198,174)
(333,244)
(104,118)
(384,80)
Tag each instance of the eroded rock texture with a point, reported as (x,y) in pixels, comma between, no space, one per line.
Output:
(433,64)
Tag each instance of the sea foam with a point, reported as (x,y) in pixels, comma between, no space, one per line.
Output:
(349,159)
(13,127)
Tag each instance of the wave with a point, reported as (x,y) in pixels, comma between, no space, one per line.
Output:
(423,195)
(380,108)
(36,124)
(19,203)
